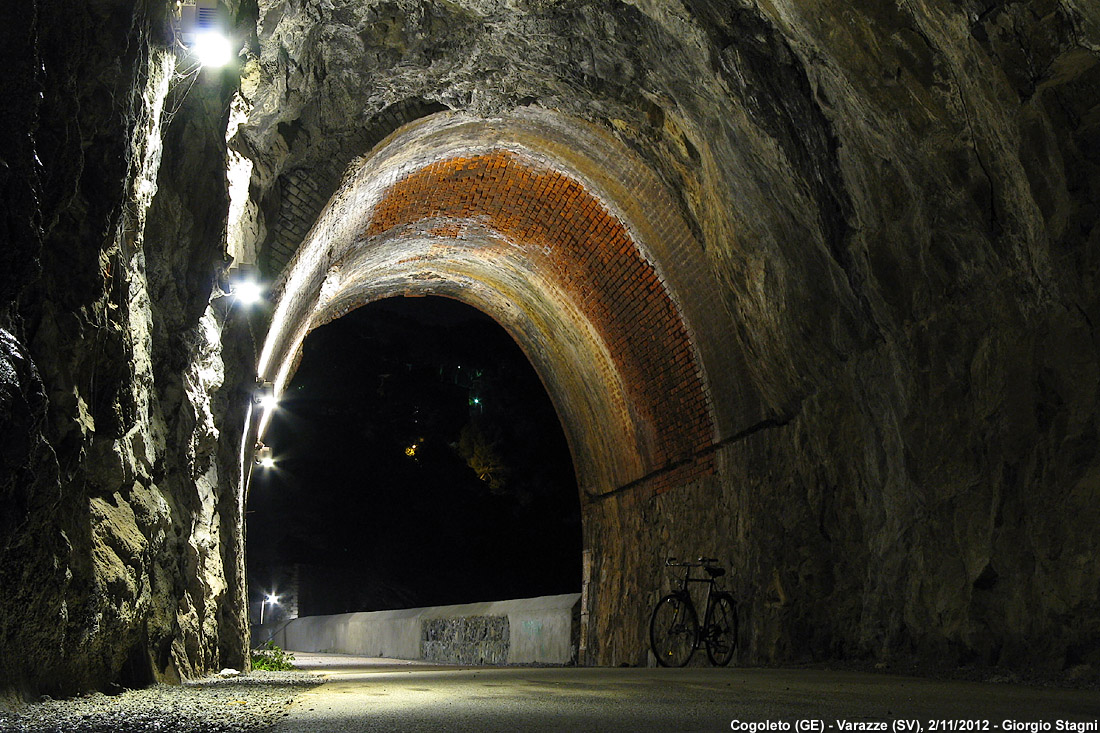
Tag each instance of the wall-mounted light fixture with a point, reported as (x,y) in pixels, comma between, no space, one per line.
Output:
(203,31)
(244,285)
(265,395)
(212,49)
(248,292)
(264,456)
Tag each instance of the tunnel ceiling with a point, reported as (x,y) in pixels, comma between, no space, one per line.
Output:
(327,74)
(704,208)
(544,198)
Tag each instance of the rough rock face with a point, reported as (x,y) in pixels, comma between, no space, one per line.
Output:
(893,241)
(119,538)
(897,203)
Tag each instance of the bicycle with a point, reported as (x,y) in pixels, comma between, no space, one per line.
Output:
(674,632)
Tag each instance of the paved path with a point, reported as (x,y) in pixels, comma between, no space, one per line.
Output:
(385,695)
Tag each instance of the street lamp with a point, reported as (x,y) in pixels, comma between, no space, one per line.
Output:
(269,598)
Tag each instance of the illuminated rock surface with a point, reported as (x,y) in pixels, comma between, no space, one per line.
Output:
(866,234)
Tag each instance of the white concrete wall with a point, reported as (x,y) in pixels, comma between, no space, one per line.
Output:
(541,630)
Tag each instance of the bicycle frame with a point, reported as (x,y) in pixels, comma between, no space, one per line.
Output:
(683,590)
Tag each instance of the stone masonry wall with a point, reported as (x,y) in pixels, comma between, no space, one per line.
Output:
(465,640)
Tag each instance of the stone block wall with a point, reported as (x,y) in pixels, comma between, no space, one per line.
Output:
(465,640)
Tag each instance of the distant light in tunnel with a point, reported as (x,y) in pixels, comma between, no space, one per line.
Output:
(212,49)
(268,598)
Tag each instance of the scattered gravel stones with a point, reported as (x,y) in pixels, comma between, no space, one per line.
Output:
(210,705)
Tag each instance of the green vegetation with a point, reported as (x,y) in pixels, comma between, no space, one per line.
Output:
(272,658)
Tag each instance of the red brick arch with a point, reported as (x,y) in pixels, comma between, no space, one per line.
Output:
(571,238)
(532,245)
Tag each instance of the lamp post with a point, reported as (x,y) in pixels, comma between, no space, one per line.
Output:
(273,600)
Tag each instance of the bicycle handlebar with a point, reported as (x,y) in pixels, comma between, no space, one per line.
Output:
(673,562)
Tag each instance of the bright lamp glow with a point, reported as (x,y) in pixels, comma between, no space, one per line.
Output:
(212,49)
(248,292)
(264,457)
(268,598)
(265,396)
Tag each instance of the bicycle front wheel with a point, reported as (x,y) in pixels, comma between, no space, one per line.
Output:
(673,631)
(721,630)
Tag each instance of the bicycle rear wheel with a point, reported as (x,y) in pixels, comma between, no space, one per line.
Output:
(721,630)
(673,631)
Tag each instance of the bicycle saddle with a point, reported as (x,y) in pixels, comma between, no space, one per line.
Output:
(714,572)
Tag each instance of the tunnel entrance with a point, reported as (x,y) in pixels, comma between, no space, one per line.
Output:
(566,240)
(420,462)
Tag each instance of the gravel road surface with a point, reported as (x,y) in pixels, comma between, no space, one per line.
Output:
(212,705)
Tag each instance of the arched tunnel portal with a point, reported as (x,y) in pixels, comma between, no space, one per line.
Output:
(813,287)
(565,241)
